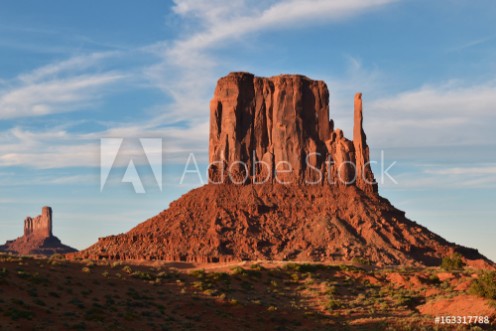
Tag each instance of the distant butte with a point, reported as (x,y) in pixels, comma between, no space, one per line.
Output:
(285,184)
(38,238)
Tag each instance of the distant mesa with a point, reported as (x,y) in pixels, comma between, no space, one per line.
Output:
(285,184)
(38,238)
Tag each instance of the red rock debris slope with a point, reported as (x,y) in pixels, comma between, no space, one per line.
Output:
(285,185)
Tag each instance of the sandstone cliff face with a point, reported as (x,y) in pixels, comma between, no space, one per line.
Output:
(40,226)
(278,129)
(38,237)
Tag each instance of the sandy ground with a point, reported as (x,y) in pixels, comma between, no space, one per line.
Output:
(55,294)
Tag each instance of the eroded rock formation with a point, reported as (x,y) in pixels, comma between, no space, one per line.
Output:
(278,130)
(38,237)
(364,176)
(41,225)
(256,126)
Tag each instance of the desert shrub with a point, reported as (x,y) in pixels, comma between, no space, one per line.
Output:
(434,279)
(239,271)
(246,285)
(89,263)
(361,261)
(295,277)
(210,292)
(219,277)
(164,275)
(453,262)
(17,314)
(305,267)
(352,268)
(127,269)
(405,297)
(485,285)
(257,266)
(333,303)
(116,264)
(95,314)
(142,275)
(39,302)
(76,302)
(54,294)
(200,273)
(86,270)
(34,278)
(57,257)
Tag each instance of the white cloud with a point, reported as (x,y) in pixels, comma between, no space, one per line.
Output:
(444,100)
(232,19)
(441,176)
(486,170)
(59,95)
(57,87)
(447,114)
(71,65)
(59,148)
(189,69)
(472,43)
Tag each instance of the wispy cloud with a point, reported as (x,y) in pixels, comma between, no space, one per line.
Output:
(72,65)
(57,87)
(54,96)
(472,43)
(448,114)
(439,176)
(486,170)
(59,148)
(225,20)
(189,66)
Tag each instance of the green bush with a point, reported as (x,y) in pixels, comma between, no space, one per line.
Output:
(453,262)
(17,314)
(238,271)
(485,285)
(142,275)
(305,267)
(257,266)
(200,273)
(361,261)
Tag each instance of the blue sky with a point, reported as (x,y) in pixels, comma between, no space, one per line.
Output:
(72,73)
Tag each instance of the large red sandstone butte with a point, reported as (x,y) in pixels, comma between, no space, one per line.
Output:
(38,238)
(275,131)
(263,126)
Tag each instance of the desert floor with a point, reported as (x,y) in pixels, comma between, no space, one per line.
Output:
(55,294)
